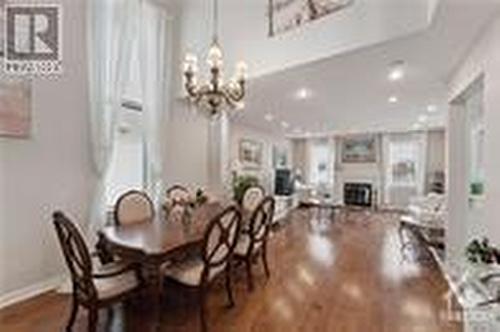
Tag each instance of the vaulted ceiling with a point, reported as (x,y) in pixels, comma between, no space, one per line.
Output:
(343,62)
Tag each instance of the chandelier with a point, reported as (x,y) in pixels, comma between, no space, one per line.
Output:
(214,94)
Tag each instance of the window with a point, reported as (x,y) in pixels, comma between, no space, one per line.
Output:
(127,167)
(321,162)
(405,162)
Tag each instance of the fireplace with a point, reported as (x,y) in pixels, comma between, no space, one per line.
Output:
(358,194)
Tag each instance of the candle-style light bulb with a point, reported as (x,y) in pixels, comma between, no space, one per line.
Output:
(214,58)
(190,63)
(241,70)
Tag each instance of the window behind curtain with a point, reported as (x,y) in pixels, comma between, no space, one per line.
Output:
(403,162)
(127,169)
(321,163)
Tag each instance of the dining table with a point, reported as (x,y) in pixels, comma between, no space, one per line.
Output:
(153,244)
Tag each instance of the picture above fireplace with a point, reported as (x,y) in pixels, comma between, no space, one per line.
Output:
(359,149)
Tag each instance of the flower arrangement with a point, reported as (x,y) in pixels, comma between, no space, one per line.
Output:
(481,251)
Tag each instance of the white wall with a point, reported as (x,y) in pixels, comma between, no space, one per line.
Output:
(244,31)
(484,58)
(186,130)
(186,154)
(50,170)
(268,140)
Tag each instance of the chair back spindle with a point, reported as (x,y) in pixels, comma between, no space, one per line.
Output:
(221,237)
(77,257)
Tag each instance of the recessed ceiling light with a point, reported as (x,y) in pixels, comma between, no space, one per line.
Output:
(269,117)
(303,93)
(416,126)
(397,71)
(285,124)
(393,99)
(423,118)
(431,108)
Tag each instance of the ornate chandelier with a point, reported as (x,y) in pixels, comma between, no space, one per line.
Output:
(213,94)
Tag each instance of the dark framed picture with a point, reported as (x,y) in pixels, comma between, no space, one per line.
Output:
(250,153)
(359,149)
(286,15)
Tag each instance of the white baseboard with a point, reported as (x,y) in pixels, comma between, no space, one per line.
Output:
(30,291)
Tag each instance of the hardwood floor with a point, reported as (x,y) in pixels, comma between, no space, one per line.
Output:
(343,276)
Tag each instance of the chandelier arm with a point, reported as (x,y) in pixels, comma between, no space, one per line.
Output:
(237,93)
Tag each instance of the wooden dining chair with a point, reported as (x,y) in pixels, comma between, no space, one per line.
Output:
(252,197)
(92,288)
(220,239)
(253,241)
(133,207)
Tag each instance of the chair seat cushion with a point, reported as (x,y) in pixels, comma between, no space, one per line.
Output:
(114,286)
(244,244)
(189,271)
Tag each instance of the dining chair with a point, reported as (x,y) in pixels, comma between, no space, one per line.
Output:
(253,241)
(133,207)
(93,288)
(252,197)
(198,272)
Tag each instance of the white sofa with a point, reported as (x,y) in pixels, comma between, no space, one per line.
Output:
(428,211)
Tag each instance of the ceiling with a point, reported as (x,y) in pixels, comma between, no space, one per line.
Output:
(349,92)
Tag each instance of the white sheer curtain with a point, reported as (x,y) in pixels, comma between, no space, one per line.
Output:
(155,40)
(111,25)
(322,164)
(405,161)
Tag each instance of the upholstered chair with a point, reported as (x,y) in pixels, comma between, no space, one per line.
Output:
(252,197)
(93,287)
(253,241)
(133,207)
(199,271)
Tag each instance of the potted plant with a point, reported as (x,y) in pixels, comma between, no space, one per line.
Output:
(241,184)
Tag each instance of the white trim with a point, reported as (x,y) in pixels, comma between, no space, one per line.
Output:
(28,292)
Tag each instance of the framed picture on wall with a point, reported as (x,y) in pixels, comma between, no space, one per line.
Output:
(359,149)
(15,96)
(287,15)
(250,153)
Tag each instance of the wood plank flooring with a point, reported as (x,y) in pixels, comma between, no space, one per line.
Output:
(344,276)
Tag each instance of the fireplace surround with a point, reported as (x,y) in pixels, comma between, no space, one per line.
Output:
(358,194)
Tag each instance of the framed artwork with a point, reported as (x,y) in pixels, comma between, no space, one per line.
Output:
(250,153)
(15,96)
(286,15)
(359,149)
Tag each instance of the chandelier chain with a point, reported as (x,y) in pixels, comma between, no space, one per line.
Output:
(215,28)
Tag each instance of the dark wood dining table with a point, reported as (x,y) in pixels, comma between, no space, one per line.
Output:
(152,244)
